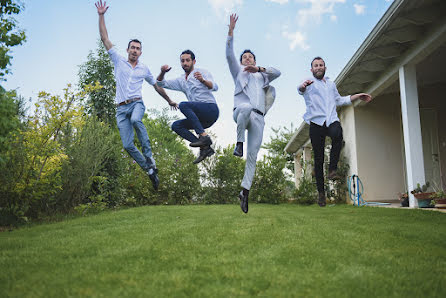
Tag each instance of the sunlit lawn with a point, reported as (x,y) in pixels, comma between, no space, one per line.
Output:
(283,250)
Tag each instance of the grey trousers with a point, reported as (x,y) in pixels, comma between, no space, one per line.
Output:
(246,119)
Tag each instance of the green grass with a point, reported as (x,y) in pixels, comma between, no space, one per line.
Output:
(284,250)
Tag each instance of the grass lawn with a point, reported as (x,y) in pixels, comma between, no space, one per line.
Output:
(283,250)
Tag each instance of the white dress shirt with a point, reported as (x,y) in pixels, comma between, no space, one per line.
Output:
(255,92)
(192,88)
(322,98)
(128,79)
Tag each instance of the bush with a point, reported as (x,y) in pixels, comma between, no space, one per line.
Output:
(92,165)
(306,193)
(222,174)
(270,182)
(179,178)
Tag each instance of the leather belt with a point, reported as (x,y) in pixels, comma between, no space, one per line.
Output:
(127,101)
(255,111)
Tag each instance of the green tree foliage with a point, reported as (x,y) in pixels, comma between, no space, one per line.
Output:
(221,176)
(277,144)
(99,68)
(30,177)
(271,183)
(10,35)
(12,113)
(91,170)
(179,177)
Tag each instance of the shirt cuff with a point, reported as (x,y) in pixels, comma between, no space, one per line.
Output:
(161,83)
(300,92)
(346,100)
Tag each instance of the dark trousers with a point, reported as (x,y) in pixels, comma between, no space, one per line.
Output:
(317,136)
(199,115)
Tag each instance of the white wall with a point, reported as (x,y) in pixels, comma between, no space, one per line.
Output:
(379,148)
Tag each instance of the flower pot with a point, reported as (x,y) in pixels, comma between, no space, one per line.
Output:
(423,195)
(440,203)
(424,199)
(405,202)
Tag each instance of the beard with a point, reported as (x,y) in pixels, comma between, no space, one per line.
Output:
(187,68)
(319,74)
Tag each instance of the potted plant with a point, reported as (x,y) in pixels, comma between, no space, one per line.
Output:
(423,197)
(440,199)
(404,199)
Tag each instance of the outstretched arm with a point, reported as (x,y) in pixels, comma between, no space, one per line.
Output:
(173,105)
(234,66)
(102,9)
(362,96)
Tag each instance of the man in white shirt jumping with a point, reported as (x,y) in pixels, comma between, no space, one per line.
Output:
(129,76)
(253,96)
(321,98)
(200,109)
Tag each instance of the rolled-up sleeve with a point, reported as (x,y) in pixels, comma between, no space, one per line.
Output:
(161,83)
(149,78)
(114,56)
(341,100)
(208,77)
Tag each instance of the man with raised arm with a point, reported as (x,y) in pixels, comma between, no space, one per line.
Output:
(253,97)
(201,109)
(129,75)
(321,98)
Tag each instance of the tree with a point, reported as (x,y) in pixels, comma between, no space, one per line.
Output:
(277,144)
(30,178)
(12,113)
(10,35)
(99,68)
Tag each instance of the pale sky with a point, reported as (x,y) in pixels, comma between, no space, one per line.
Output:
(285,34)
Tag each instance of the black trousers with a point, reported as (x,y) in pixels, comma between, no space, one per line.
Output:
(317,136)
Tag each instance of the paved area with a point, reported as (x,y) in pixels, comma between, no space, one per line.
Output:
(397,204)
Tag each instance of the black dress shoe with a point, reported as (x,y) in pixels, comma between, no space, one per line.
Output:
(243,201)
(321,200)
(154,178)
(203,141)
(238,151)
(204,152)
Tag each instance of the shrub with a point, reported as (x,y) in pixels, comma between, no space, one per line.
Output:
(222,174)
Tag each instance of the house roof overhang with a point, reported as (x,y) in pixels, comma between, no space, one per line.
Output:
(408,32)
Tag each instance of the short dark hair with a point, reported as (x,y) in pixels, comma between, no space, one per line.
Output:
(316,58)
(247,51)
(133,40)
(192,55)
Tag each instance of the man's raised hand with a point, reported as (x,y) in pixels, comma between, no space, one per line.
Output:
(232,21)
(165,68)
(304,85)
(199,76)
(102,7)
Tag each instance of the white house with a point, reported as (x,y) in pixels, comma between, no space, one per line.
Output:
(399,139)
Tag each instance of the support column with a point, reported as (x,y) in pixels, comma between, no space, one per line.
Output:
(307,161)
(413,146)
(297,169)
